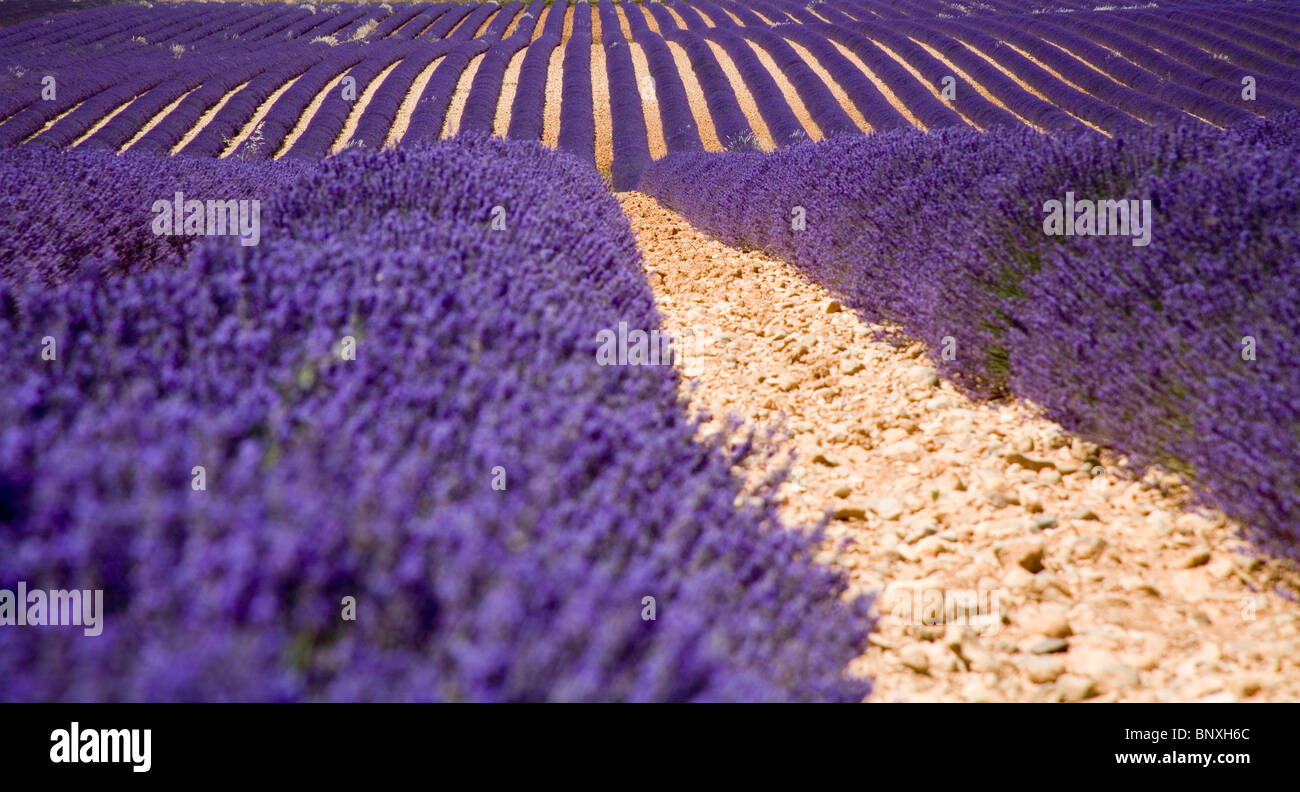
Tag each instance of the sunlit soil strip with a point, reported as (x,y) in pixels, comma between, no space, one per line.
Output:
(654,126)
(595,26)
(155,121)
(424,24)
(101,122)
(567,32)
(979,89)
(1024,86)
(359,107)
(1118,56)
(708,20)
(456,26)
(52,121)
(307,115)
(761,16)
(622,22)
(600,107)
(1063,79)
(516,22)
(208,116)
(734,18)
(456,109)
(541,23)
(884,89)
(509,85)
(890,95)
(695,98)
(681,23)
(249,128)
(403,118)
(836,89)
(810,127)
(812,10)
(649,19)
(554,86)
(482,28)
(744,98)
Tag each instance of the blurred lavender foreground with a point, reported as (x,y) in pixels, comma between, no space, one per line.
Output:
(328,477)
(1181,353)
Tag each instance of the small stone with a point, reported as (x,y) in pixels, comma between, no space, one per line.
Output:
(888,508)
(1027,463)
(903,451)
(1099,665)
(923,375)
(1245,686)
(842,491)
(834,307)
(1000,499)
(915,658)
(1074,687)
(1044,522)
(1066,464)
(1082,450)
(893,434)
(1051,622)
(1017,578)
(920,534)
(1084,548)
(822,459)
(850,513)
(1042,670)
(851,367)
(1028,555)
(1192,525)
(1082,512)
(1044,645)
(1199,558)
(786,384)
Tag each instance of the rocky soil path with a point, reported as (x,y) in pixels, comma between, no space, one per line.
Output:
(1083,585)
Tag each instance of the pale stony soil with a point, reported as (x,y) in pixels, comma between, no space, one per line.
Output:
(1106,589)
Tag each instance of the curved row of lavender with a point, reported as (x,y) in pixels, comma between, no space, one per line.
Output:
(498,503)
(1180,352)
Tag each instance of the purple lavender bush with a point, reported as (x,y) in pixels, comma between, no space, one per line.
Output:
(373,477)
(1180,352)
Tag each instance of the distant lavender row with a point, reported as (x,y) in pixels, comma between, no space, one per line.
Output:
(500,506)
(1180,353)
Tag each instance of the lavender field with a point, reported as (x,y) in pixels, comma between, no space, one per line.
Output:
(894,350)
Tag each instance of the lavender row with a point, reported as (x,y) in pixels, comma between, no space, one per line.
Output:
(929,110)
(772,106)
(1172,345)
(481,104)
(283,117)
(875,108)
(729,122)
(1156,74)
(431,108)
(512,520)
(526,112)
(675,117)
(628,137)
(577,133)
(337,105)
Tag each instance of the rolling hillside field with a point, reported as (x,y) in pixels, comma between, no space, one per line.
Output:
(698,350)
